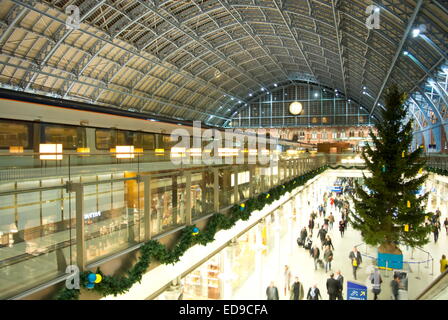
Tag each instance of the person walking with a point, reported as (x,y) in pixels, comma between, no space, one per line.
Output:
(376,280)
(303,235)
(328,257)
(328,242)
(311,226)
(331,220)
(322,233)
(287,278)
(332,287)
(272,292)
(356,260)
(443,264)
(342,227)
(445,223)
(395,285)
(297,291)
(315,253)
(313,293)
(340,279)
(435,230)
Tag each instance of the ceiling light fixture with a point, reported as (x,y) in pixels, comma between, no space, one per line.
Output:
(295,108)
(415,32)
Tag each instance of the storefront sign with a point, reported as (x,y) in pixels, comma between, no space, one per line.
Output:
(92,215)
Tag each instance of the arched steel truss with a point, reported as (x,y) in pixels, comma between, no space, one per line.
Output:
(197,59)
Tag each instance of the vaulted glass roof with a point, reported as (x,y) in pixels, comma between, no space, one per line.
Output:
(201,59)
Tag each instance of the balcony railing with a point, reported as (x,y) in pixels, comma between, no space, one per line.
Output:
(74,211)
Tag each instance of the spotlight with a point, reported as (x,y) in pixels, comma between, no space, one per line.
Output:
(415,32)
(405,53)
(377,9)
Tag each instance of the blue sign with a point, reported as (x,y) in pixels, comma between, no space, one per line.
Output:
(356,291)
(336,189)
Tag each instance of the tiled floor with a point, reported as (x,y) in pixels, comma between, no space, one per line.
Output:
(302,265)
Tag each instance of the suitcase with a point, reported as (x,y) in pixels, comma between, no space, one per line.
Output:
(320,263)
(308,245)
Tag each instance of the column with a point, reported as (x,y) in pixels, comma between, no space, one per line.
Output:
(252,181)
(147,212)
(216,189)
(235,186)
(188,218)
(78,188)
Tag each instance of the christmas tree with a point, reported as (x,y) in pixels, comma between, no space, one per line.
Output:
(388,210)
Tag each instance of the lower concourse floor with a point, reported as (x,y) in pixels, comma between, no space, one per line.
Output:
(243,270)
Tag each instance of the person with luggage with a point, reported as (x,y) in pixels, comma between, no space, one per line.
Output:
(322,233)
(328,257)
(308,243)
(356,260)
(302,238)
(328,242)
(315,253)
(376,280)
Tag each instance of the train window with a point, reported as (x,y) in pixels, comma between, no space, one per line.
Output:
(69,137)
(106,139)
(148,141)
(143,140)
(14,134)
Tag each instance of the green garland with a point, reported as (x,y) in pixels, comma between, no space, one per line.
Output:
(347,167)
(442,172)
(114,285)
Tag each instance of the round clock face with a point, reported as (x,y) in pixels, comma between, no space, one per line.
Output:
(295,108)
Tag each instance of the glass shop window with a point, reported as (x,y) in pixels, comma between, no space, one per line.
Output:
(14,134)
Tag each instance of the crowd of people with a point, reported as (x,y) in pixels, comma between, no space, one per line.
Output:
(323,253)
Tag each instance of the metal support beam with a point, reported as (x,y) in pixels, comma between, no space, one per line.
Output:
(398,52)
(282,14)
(337,20)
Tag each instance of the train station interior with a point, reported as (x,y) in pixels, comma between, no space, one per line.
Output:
(208,149)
